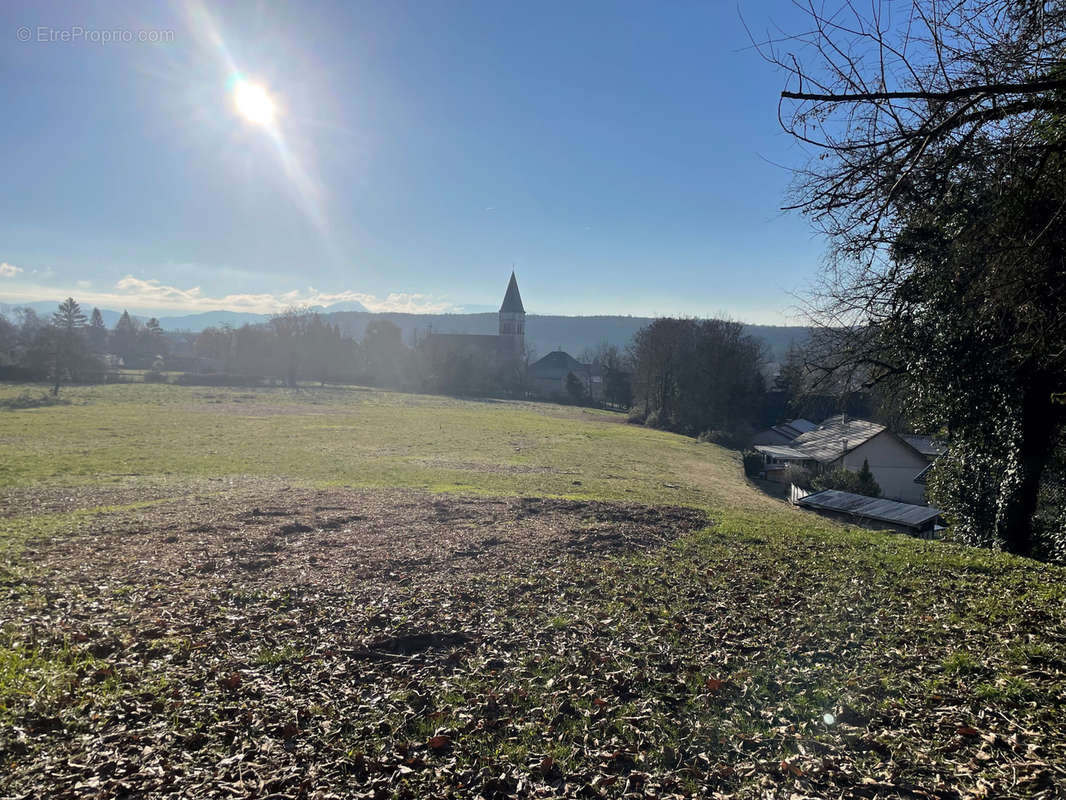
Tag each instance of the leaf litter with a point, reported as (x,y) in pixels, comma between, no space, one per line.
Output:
(297,643)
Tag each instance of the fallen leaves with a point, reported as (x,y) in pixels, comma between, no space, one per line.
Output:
(378,644)
(439,742)
(232,681)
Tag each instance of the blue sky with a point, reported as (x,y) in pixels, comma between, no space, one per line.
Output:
(624,156)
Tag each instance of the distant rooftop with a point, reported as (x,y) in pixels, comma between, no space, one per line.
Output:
(556,365)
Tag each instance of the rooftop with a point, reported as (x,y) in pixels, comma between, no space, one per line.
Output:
(835,437)
(857,505)
(782,451)
(556,364)
(924,445)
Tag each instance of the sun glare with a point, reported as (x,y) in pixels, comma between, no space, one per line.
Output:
(253,103)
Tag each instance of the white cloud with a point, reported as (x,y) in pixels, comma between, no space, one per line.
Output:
(9,270)
(139,294)
(84,284)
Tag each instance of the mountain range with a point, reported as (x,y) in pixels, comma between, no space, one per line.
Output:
(187,322)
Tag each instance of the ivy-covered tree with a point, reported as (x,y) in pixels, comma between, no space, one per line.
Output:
(940,180)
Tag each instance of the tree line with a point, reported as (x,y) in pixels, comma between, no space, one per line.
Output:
(68,346)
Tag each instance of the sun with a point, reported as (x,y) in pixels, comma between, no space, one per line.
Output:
(253,103)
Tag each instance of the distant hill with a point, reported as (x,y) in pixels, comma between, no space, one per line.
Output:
(544,333)
(211,319)
(45,308)
(186,322)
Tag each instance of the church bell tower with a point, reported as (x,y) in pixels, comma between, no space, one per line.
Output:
(513,317)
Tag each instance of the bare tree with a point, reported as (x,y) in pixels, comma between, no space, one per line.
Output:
(936,141)
(878,93)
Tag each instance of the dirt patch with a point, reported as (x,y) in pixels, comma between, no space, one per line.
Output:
(243,645)
(344,539)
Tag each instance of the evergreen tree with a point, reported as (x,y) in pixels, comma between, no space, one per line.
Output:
(97,332)
(866,483)
(152,341)
(575,388)
(69,344)
(124,336)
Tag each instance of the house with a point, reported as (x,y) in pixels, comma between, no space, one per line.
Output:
(783,433)
(846,442)
(548,376)
(507,346)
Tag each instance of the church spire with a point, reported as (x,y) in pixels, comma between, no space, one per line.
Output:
(512,300)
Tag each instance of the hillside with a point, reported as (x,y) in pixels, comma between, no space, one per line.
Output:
(411,596)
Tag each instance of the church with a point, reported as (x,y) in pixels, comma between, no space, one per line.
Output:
(506,346)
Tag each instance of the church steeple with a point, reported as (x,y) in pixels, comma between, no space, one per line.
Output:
(513,313)
(512,300)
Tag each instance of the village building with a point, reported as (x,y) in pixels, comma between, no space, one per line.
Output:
(506,346)
(840,441)
(548,376)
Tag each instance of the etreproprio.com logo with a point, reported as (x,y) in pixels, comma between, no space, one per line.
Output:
(45,34)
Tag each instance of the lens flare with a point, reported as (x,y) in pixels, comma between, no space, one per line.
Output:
(253,103)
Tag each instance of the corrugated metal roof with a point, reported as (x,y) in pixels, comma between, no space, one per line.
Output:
(875,508)
(835,437)
(782,451)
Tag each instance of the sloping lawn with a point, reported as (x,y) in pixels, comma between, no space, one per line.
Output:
(337,593)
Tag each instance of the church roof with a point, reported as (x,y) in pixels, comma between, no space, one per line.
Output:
(512,301)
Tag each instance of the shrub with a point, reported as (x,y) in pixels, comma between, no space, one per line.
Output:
(637,415)
(28,400)
(867,485)
(575,389)
(154,376)
(799,476)
(845,480)
(723,438)
(753,463)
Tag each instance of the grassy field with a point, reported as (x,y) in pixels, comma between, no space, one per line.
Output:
(347,592)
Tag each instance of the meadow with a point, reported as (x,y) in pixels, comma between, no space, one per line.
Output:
(337,592)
